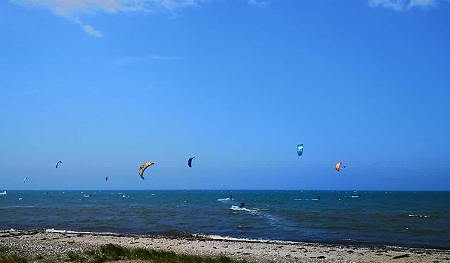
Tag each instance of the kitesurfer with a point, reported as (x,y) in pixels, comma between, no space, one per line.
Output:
(242,205)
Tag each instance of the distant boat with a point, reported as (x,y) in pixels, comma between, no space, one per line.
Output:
(3,193)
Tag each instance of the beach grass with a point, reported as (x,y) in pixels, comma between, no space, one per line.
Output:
(112,252)
(49,247)
(7,256)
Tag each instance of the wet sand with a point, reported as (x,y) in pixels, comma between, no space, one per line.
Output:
(51,245)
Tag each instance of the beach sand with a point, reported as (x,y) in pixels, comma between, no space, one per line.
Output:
(52,244)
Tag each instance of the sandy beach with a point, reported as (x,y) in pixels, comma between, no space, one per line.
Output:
(53,244)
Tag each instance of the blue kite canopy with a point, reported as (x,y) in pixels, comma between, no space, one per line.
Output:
(58,163)
(299,149)
(190,161)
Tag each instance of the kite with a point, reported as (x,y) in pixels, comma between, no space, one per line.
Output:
(143,167)
(339,166)
(299,149)
(106,178)
(190,161)
(58,163)
(25,179)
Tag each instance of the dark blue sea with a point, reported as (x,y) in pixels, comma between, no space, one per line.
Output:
(410,219)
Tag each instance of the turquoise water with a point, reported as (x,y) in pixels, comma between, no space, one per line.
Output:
(413,219)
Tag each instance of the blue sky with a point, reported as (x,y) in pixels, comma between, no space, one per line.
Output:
(105,86)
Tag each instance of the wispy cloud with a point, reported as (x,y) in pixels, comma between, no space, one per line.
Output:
(403,5)
(260,3)
(91,31)
(31,92)
(73,9)
(126,61)
(87,28)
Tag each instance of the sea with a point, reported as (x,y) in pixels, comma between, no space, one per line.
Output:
(373,218)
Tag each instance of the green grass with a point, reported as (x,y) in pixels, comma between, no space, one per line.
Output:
(111,252)
(6,256)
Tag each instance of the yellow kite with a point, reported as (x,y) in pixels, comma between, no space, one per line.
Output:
(338,166)
(143,167)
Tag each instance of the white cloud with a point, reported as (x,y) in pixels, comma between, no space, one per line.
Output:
(393,4)
(422,3)
(72,9)
(75,7)
(87,28)
(32,92)
(126,61)
(91,31)
(402,5)
(260,3)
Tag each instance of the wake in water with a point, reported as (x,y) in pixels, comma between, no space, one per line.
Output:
(270,218)
(418,216)
(225,199)
(237,208)
(3,193)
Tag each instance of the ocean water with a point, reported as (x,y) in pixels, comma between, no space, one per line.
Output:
(411,219)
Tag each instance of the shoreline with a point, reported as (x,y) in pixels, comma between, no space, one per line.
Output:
(51,243)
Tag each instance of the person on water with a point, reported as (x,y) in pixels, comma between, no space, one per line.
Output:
(231,197)
(242,205)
